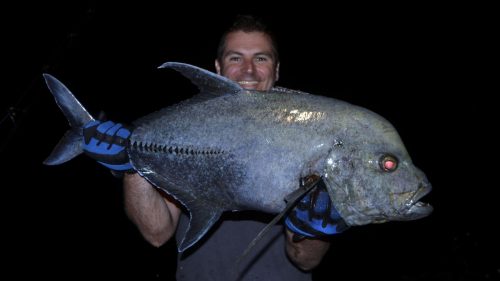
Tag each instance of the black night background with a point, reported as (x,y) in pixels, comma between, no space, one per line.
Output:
(422,68)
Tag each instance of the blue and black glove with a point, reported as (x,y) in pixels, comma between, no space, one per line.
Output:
(315,216)
(106,142)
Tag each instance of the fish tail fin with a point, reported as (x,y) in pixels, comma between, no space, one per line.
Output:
(68,148)
(71,143)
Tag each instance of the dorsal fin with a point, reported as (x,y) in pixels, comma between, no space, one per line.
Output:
(208,82)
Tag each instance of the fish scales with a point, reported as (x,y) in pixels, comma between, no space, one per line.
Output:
(231,149)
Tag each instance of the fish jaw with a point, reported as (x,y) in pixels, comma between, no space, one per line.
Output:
(416,209)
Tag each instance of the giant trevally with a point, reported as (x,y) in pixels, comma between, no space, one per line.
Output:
(232,149)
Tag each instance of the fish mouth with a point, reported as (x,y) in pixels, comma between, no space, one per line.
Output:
(416,209)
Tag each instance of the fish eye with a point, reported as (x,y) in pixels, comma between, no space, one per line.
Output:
(388,163)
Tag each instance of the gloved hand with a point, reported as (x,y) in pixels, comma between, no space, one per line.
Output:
(106,143)
(314,216)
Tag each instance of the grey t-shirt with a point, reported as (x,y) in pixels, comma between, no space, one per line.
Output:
(214,257)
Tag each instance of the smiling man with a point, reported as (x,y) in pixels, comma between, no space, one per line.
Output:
(248,58)
(247,54)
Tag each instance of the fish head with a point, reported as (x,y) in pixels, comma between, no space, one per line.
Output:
(370,176)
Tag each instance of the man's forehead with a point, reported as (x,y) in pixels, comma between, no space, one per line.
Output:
(248,44)
(247,52)
(248,40)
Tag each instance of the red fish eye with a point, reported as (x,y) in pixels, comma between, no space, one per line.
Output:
(388,163)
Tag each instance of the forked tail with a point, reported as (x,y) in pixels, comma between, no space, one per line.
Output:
(71,143)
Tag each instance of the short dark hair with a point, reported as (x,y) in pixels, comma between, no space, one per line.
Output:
(248,23)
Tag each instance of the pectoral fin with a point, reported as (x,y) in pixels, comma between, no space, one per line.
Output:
(306,184)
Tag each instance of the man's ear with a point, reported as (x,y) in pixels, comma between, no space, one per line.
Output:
(217,67)
(277,72)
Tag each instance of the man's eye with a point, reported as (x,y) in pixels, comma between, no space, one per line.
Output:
(234,59)
(261,59)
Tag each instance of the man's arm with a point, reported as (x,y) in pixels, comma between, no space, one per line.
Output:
(308,226)
(154,215)
(307,253)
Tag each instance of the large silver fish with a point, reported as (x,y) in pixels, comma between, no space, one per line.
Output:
(231,149)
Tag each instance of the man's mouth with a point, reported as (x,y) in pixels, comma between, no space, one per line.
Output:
(248,83)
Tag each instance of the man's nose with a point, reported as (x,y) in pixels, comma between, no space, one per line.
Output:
(248,66)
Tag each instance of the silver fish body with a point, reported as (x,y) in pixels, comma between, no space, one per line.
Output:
(231,149)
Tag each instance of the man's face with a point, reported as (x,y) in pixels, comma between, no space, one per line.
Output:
(248,59)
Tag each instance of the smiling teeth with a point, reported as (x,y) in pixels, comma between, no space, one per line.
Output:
(247,82)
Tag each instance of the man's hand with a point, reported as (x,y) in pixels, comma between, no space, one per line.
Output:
(314,216)
(106,143)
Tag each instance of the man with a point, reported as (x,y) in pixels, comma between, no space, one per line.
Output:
(247,54)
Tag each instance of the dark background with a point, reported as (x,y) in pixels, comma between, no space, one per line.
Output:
(423,68)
